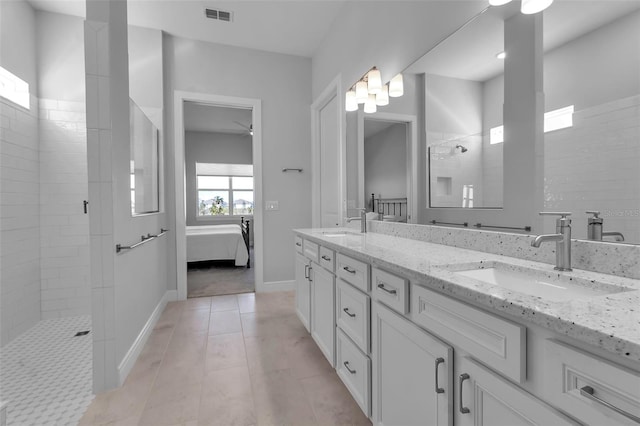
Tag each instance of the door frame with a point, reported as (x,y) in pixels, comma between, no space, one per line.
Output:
(180,97)
(411,121)
(334,89)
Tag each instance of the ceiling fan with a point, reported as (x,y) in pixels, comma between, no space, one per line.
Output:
(249,128)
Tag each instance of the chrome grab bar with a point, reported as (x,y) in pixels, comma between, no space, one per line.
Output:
(143,240)
(588,392)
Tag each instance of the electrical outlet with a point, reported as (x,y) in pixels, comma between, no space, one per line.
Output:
(271,205)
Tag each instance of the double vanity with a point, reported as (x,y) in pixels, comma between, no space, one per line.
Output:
(431,334)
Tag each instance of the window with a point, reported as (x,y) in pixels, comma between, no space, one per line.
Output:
(14,88)
(467,196)
(224,189)
(553,120)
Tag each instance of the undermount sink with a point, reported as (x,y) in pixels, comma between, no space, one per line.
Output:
(535,282)
(337,234)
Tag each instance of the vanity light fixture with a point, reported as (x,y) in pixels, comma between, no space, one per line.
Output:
(370,91)
(501,55)
(527,7)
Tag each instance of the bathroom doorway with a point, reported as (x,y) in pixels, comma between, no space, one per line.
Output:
(218,175)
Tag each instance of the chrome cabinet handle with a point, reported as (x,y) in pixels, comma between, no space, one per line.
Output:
(310,270)
(327,258)
(463,377)
(346,311)
(349,270)
(382,287)
(588,392)
(306,271)
(438,362)
(346,365)
(299,245)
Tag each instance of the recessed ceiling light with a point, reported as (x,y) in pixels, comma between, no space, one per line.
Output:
(501,55)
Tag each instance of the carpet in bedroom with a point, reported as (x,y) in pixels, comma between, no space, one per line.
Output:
(219,277)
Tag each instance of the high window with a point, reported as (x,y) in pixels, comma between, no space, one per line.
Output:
(224,189)
(553,120)
(14,88)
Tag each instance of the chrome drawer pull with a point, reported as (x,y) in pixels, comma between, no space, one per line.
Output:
(327,258)
(346,364)
(588,392)
(438,388)
(349,270)
(463,377)
(306,271)
(299,245)
(382,287)
(346,311)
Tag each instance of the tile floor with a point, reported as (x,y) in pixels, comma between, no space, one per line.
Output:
(46,373)
(229,360)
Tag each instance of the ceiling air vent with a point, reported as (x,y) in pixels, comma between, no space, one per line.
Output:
(220,15)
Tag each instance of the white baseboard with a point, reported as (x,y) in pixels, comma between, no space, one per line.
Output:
(132,355)
(276,286)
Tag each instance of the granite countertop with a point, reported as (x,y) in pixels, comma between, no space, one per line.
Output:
(608,321)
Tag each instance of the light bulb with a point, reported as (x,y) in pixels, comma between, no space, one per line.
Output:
(350,102)
(374,81)
(396,86)
(382,98)
(361,92)
(498,2)
(529,7)
(370,104)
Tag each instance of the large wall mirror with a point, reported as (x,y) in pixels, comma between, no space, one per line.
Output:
(144,163)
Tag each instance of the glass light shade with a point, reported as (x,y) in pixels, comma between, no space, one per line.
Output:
(396,86)
(498,2)
(382,98)
(529,7)
(501,55)
(370,105)
(350,102)
(361,92)
(374,81)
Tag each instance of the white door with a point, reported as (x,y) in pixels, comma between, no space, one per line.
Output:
(323,319)
(487,399)
(412,373)
(330,194)
(303,294)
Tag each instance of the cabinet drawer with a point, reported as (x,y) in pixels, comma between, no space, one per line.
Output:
(354,369)
(327,258)
(498,343)
(353,314)
(311,250)
(592,389)
(298,242)
(390,289)
(353,271)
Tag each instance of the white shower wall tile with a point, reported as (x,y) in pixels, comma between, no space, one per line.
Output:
(46,374)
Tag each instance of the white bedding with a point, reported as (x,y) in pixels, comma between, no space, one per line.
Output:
(216,242)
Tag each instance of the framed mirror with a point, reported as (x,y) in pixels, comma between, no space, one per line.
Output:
(144,163)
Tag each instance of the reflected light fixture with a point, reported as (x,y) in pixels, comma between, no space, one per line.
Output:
(370,104)
(527,7)
(501,55)
(370,91)
(498,2)
(396,86)
(350,102)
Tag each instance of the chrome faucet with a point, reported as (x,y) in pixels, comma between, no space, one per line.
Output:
(594,228)
(362,219)
(562,237)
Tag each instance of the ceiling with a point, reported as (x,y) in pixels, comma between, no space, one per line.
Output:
(210,118)
(373,127)
(290,27)
(470,52)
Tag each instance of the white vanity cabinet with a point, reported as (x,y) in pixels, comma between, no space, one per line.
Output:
(303,290)
(412,373)
(323,325)
(485,398)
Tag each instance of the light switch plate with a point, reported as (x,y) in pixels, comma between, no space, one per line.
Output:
(271,205)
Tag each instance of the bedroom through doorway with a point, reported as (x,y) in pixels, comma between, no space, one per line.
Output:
(219,196)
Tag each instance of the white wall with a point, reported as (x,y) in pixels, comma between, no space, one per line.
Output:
(284,88)
(19,179)
(385,160)
(208,147)
(595,165)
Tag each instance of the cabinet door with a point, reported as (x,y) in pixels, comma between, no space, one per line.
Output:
(484,398)
(412,373)
(323,323)
(303,293)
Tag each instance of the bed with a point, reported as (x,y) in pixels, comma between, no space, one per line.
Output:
(389,209)
(219,242)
